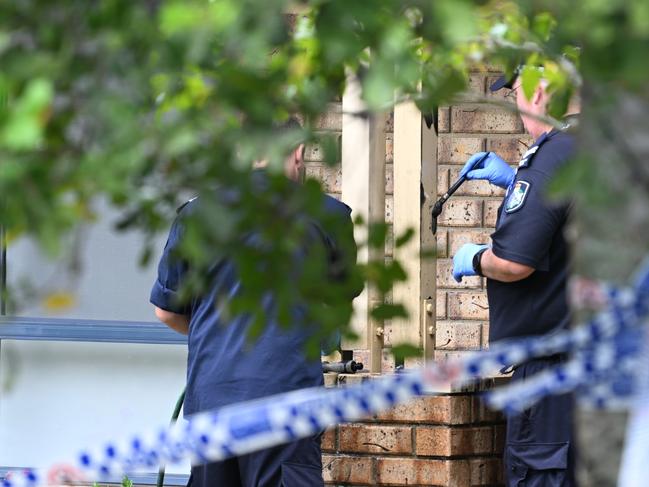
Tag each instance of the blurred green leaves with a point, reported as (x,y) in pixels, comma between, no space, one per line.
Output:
(530,77)
(543,25)
(27,117)
(146,103)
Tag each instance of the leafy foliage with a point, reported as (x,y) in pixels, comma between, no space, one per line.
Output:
(147,102)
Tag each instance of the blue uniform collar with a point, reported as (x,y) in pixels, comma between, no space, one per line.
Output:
(527,157)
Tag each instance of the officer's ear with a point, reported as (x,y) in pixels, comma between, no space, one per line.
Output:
(299,154)
(540,96)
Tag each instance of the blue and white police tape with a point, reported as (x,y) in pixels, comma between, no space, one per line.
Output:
(250,426)
(627,308)
(23,478)
(603,370)
(604,376)
(247,427)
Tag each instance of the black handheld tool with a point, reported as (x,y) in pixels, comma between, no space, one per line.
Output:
(437,207)
(349,367)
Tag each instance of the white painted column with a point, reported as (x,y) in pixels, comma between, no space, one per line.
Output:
(363,189)
(415,163)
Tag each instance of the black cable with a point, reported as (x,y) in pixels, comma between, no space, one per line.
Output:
(174,418)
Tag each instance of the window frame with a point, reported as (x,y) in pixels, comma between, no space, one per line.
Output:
(82,330)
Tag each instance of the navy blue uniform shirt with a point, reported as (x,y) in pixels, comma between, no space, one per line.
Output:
(222,368)
(529,231)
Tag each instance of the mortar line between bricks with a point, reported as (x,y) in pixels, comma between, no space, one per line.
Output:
(461,229)
(450,121)
(463,288)
(471,425)
(482,135)
(483,208)
(413,439)
(457,457)
(415,456)
(484,105)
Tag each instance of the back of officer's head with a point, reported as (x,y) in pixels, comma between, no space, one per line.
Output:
(290,130)
(533,109)
(536,107)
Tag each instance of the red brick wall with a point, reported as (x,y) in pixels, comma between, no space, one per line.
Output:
(446,440)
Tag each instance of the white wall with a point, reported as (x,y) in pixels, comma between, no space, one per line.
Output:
(110,285)
(58,398)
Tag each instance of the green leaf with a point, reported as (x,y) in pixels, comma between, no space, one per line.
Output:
(639,17)
(5,40)
(331,148)
(428,253)
(404,238)
(531,76)
(402,351)
(180,16)
(377,233)
(38,95)
(572,53)
(387,311)
(24,129)
(396,271)
(378,86)
(559,102)
(457,19)
(21,133)
(543,25)
(4,95)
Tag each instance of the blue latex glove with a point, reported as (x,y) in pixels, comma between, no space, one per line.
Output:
(492,169)
(463,260)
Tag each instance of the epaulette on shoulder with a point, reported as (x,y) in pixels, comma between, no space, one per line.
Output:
(180,208)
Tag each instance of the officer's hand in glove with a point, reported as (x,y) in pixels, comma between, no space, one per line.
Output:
(463,260)
(493,169)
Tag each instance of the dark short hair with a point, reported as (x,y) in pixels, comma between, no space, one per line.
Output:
(292,126)
(291,123)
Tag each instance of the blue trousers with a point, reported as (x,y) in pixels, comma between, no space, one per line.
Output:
(297,464)
(540,447)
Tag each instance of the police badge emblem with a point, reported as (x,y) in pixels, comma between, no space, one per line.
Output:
(517,196)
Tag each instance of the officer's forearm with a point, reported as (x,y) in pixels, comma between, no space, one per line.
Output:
(175,321)
(501,269)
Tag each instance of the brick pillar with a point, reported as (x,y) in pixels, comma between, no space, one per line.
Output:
(445,440)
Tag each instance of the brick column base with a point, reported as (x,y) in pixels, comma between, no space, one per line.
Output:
(441,440)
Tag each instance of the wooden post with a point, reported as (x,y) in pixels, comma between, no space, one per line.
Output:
(427,241)
(363,188)
(415,158)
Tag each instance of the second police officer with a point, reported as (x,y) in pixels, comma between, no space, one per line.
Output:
(526,266)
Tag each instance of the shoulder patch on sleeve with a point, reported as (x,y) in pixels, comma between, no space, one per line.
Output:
(516,198)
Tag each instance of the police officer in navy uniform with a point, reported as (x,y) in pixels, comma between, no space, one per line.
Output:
(526,266)
(223,368)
